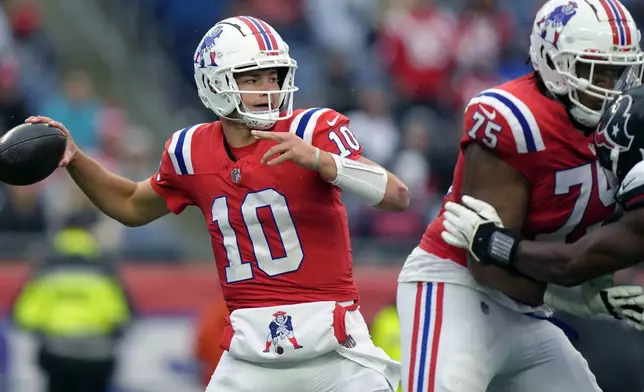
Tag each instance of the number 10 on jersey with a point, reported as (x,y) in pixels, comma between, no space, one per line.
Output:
(239,270)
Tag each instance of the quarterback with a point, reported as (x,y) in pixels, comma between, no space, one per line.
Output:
(527,150)
(267,180)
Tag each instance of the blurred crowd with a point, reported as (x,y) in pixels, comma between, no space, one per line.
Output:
(401,70)
(32,82)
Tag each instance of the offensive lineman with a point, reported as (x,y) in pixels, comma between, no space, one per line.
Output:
(267,180)
(465,327)
(619,141)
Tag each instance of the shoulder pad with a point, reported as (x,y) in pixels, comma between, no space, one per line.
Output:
(179,149)
(307,121)
(523,124)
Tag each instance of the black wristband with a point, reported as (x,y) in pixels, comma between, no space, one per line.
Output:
(495,245)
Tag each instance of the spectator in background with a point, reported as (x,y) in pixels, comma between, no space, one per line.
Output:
(411,162)
(349,33)
(484,34)
(341,86)
(79,108)
(417,41)
(77,308)
(35,53)
(374,126)
(23,221)
(13,109)
(6,39)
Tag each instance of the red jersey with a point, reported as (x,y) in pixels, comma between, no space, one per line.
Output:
(570,193)
(279,233)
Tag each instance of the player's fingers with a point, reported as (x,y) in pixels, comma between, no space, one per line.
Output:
(478,205)
(451,218)
(452,240)
(464,221)
(41,119)
(626,293)
(459,210)
(632,315)
(635,325)
(456,232)
(453,236)
(275,150)
(58,125)
(284,157)
(268,135)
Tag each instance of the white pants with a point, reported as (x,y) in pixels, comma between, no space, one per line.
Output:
(327,373)
(457,339)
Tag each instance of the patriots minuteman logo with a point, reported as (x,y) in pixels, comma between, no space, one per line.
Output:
(614,134)
(205,55)
(553,24)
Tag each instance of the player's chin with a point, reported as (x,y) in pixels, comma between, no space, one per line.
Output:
(591,102)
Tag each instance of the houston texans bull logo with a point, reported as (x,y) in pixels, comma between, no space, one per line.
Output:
(613,134)
(207,45)
(279,329)
(556,20)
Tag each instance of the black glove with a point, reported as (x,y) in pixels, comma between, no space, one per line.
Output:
(495,245)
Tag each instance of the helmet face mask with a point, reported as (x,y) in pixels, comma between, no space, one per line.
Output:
(231,49)
(575,47)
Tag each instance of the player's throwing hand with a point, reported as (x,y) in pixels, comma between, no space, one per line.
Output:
(289,148)
(70,150)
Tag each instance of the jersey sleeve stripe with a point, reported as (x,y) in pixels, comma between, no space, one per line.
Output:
(298,126)
(515,127)
(296,120)
(525,130)
(180,150)
(312,124)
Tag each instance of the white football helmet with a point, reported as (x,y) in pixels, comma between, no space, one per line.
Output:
(242,44)
(593,32)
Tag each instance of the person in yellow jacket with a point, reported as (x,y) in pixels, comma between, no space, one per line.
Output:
(385,332)
(77,308)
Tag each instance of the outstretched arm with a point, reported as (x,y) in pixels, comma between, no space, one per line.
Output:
(129,202)
(608,249)
(603,251)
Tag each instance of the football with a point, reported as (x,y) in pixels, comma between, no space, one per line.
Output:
(29,153)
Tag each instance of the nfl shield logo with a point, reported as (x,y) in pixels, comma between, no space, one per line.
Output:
(236,175)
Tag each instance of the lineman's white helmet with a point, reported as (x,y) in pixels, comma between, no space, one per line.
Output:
(567,33)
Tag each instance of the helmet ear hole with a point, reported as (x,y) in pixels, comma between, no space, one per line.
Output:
(206,83)
(549,61)
(281,75)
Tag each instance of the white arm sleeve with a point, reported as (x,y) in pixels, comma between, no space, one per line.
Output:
(368,182)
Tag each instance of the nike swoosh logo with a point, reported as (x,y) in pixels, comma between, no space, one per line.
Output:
(332,122)
(490,115)
(626,184)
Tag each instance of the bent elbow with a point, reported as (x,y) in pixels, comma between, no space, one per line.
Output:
(403,199)
(396,199)
(131,223)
